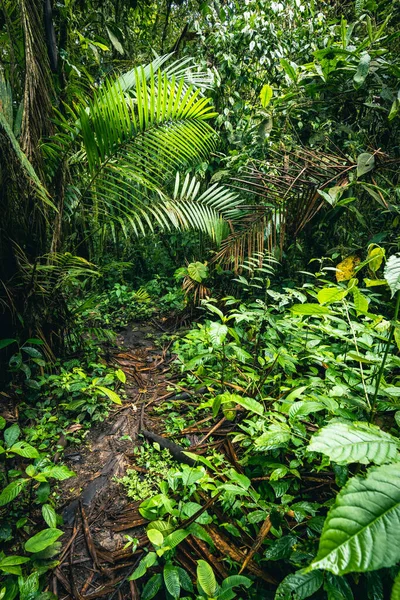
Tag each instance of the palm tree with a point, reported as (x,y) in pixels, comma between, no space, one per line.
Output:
(114,162)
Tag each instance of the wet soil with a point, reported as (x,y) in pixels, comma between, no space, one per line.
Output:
(97,513)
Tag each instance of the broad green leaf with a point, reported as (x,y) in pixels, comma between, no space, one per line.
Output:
(152,587)
(396,338)
(337,587)
(247,403)
(300,585)
(58,472)
(362,529)
(10,564)
(11,434)
(392,273)
(365,163)
(32,352)
(304,408)
(197,271)
(176,537)
(206,578)
(12,490)
(275,437)
(43,540)
(332,195)
(289,69)
(346,443)
(362,70)
(218,333)
(235,580)
(251,405)
(3,423)
(156,537)
(266,95)
(49,515)
(395,109)
(24,449)
(28,586)
(185,580)
(310,309)
(392,390)
(331,294)
(148,561)
(171,580)
(110,394)
(14,560)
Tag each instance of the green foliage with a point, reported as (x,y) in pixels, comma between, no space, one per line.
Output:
(356,442)
(156,464)
(300,357)
(360,528)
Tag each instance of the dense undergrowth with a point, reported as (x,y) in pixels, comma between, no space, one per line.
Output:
(237,177)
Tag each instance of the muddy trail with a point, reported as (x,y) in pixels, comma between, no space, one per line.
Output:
(98,516)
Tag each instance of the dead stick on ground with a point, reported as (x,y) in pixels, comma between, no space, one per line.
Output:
(212,430)
(134,591)
(64,552)
(264,530)
(88,537)
(87,583)
(75,591)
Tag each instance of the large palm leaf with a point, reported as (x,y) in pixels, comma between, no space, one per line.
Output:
(134,135)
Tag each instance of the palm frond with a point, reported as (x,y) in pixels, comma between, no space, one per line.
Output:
(133,144)
(287,185)
(53,272)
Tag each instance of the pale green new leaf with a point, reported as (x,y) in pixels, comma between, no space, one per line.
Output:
(310,309)
(266,95)
(42,540)
(113,396)
(217,333)
(155,536)
(330,295)
(362,529)
(346,443)
(206,578)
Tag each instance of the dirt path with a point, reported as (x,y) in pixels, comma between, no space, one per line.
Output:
(95,562)
(98,515)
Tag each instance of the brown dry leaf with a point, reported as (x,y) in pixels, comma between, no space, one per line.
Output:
(73,428)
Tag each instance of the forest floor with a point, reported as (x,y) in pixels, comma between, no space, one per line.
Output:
(97,512)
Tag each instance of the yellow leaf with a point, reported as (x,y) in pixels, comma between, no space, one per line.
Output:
(375,257)
(345,269)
